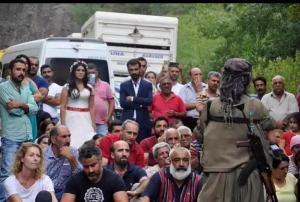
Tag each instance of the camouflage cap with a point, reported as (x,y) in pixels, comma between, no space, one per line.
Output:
(237,65)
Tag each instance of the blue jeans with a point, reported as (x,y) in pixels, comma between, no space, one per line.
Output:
(9,150)
(101,129)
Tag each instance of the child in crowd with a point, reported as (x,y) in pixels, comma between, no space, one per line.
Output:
(274,138)
(294,129)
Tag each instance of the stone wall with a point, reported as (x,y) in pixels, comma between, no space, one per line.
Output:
(30,21)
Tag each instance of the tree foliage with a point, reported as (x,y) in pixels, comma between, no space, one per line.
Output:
(265,34)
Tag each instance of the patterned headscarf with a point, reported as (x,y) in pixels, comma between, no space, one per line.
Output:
(235,79)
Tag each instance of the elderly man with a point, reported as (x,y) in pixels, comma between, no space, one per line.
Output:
(186,140)
(160,152)
(279,102)
(222,160)
(61,160)
(188,93)
(176,183)
(171,136)
(134,177)
(160,125)
(166,103)
(129,134)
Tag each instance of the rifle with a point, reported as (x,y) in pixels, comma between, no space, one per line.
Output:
(259,161)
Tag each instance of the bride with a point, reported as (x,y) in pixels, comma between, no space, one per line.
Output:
(77,105)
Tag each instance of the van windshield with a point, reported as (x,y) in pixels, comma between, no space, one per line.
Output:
(61,68)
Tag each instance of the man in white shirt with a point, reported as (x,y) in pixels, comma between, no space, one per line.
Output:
(279,102)
(52,101)
(189,93)
(174,72)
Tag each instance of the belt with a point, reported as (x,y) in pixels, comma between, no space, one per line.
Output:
(78,109)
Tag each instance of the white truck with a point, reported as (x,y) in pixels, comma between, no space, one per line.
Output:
(131,35)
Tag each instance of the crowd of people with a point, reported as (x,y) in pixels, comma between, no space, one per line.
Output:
(175,140)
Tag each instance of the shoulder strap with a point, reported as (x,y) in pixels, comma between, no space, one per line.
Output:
(208,104)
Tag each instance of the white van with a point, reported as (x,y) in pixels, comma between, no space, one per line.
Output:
(133,35)
(61,52)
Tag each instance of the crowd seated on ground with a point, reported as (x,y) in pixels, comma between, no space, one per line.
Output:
(116,149)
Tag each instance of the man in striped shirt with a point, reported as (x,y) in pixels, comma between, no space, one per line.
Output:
(176,183)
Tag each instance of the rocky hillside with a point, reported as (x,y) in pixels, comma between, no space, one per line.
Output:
(24,22)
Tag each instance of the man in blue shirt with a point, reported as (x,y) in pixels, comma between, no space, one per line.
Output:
(41,83)
(16,102)
(61,160)
(134,177)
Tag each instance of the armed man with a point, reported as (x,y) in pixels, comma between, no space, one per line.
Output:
(231,172)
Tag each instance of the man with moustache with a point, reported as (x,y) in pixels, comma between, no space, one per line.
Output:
(134,177)
(160,152)
(52,101)
(260,85)
(279,102)
(94,183)
(61,160)
(166,103)
(135,97)
(129,134)
(16,103)
(176,183)
(160,125)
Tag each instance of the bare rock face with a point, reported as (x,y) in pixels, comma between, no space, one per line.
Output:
(25,22)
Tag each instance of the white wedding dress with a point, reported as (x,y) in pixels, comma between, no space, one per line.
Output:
(79,122)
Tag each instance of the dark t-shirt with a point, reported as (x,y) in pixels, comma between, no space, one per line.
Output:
(132,175)
(40,82)
(102,191)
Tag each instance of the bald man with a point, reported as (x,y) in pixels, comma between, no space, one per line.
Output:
(188,93)
(279,102)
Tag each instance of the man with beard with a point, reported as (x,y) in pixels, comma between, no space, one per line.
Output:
(135,97)
(134,177)
(16,103)
(160,125)
(61,160)
(260,85)
(224,125)
(129,134)
(174,72)
(94,183)
(52,101)
(176,183)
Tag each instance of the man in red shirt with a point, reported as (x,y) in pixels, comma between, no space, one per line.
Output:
(166,103)
(160,125)
(129,134)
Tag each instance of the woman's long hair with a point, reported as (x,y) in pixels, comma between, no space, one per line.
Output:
(73,91)
(27,61)
(18,164)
